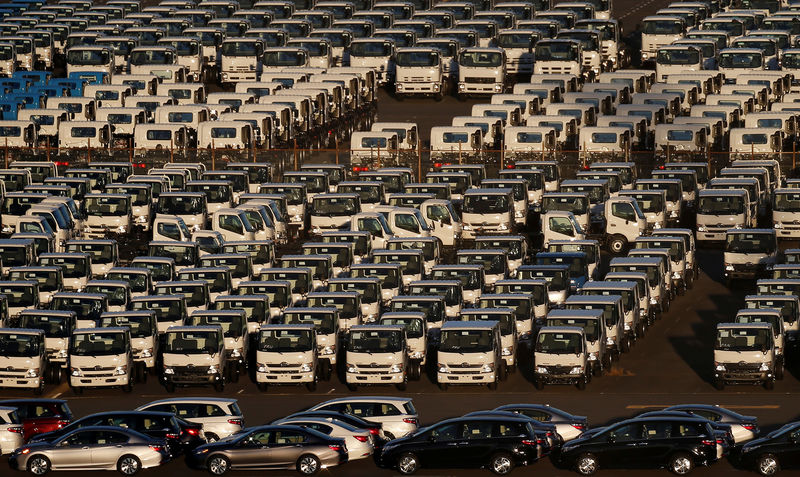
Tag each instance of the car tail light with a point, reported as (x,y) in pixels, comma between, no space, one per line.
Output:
(410,420)
(63,422)
(157,447)
(720,441)
(360,169)
(530,442)
(62,164)
(235,422)
(709,442)
(191,431)
(336,447)
(172,435)
(16,430)
(361,438)
(549,433)
(749,427)
(374,431)
(579,427)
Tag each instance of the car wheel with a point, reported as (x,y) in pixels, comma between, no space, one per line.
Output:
(501,464)
(128,465)
(308,464)
(680,464)
(586,464)
(767,465)
(38,465)
(407,464)
(218,465)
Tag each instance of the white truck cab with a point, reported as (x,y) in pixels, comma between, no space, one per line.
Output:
(100,357)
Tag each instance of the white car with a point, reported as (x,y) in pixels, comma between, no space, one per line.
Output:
(220,417)
(359,442)
(397,414)
(11,435)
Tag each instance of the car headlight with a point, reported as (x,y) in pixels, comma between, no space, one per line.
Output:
(121,370)
(576,370)
(396,368)
(213,369)
(329,350)
(76,372)
(487,368)
(506,352)
(701,228)
(764,367)
(351,368)
(32,373)
(541,370)
(417,355)
(168,370)
(306,367)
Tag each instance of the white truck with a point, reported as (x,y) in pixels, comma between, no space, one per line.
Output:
(469,353)
(419,71)
(376,354)
(744,353)
(100,358)
(481,71)
(297,343)
(561,356)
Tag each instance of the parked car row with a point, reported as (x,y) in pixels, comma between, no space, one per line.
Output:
(42,435)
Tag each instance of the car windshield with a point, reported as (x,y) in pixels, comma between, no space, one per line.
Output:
(485,204)
(323,322)
(786,202)
(98,344)
(559,343)
(140,326)
(191,342)
(459,341)
(750,243)
(375,341)
(17,345)
(743,339)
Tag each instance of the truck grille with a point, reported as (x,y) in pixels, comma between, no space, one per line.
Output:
(559,369)
(742,367)
(13,373)
(469,79)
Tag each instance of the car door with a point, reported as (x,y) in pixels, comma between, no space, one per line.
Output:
(253,451)
(790,457)
(107,448)
(618,447)
(657,441)
(476,446)
(286,447)
(439,448)
(74,451)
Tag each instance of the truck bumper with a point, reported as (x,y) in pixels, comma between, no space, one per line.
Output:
(418,88)
(743,377)
(382,378)
(286,377)
(232,77)
(191,378)
(471,378)
(479,88)
(28,383)
(558,378)
(98,382)
(788,233)
(749,272)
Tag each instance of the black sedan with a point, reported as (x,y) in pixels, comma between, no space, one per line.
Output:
(568,426)
(780,449)
(498,443)
(180,435)
(679,444)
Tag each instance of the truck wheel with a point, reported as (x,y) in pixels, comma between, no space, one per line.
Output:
(502,371)
(170,387)
(219,386)
(719,384)
(443,386)
(352,387)
(779,369)
(597,370)
(128,388)
(665,304)
(538,384)
(312,386)
(404,385)
(581,383)
(617,244)
(625,345)
(76,390)
(326,370)
(769,384)
(438,97)
(640,330)
(262,387)
(492,386)
(416,370)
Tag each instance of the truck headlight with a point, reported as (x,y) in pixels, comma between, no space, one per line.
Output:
(541,370)
(498,87)
(576,370)
(728,267)
(147,353)
(778,225)
(764,367)
(443,368)
(719,367)
(236,353)
(351,368)
(213,369)
(329,350)
(297,218)
(627,327)
(462,86)
(676,276)
(168,370)
(653,301)
(399,86)
(262,368)
(140,219)
(32,373)
(306,367)
(673,213)
(62,353)
(121,370)
(593,356)
(611,341)
(76,372)
(371,317)
(396,368)
(122,229)
(701,228)
(506,352)
(502,227)
(518,214)
(467,227)
(487,368)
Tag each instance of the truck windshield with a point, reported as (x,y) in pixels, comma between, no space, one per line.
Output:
(345,305)
(180,205)
(449,293)
(53,326)
(152,57)
(192,342)
(389,277)
(284,58)
(516,40)
(240,48)
(740,60)
(662,27)
(231,324)
(653,203)
(13,345)
(182,254)
(370,49)
(417,59)
(106,206)
(100,253)
(743,339)
(790,60)
(413,326)
(375,341)
(750,243)
(577,265)
(98,344)
(72,268)
(116,295)
(559,343)
(193,293)
(140,326)
(492,264)
(87,57)
(323,322)
(284,341)
(459,341)
(217,282)
(505,320)
(771,319)
(576,205)
(480,59)
(485,204)
(556,52)
(678,57)
(786,202)
(334,206)
(590,326)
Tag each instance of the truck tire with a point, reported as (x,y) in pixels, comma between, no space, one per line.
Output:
(581,383)
(352,387)
(769,384)
(326,370)
(219,386)
(617,244)
(170,387)
(538,384)
(38,390)
(779,369)
(416,370)
(492,386)
(443,386)
(719,384)
(502,371)
(597,370)
(262,387)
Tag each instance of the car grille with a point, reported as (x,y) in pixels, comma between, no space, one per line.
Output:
(481,80)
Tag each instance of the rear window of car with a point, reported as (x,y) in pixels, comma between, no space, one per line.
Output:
(235,410)
(410,409)
(511,429)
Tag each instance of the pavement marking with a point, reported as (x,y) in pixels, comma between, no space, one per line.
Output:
(743,406)
(57,392)
(332,390)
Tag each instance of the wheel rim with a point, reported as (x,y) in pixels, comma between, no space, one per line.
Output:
(587,465)
(308,465)
(502,465)
(218,466)
(407,464)
(128,466)
(682,465)
(38,466)
(767,466)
